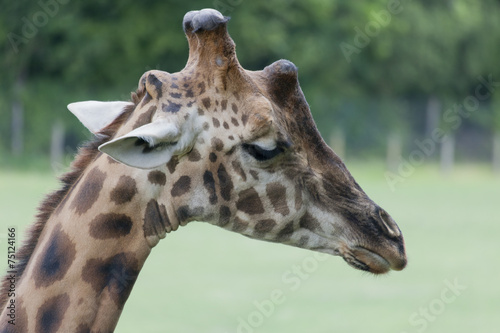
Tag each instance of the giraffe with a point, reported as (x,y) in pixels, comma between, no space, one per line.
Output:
(213,143)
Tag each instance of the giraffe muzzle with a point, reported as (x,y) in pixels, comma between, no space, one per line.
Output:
(368,260)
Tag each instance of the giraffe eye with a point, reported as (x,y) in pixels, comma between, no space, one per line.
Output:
(261,154)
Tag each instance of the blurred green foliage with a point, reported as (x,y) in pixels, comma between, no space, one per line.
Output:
(367,67)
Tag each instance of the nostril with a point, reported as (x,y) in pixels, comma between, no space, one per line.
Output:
(388,224)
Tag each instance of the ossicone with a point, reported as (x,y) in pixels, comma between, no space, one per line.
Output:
(282,78)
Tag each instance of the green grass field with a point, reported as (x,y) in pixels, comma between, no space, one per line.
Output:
(205,279)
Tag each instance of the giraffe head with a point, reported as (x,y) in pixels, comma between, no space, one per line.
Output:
(239,149)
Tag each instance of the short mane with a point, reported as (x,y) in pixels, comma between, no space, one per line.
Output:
(86,154)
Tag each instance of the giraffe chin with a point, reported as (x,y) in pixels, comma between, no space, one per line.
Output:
(366,260)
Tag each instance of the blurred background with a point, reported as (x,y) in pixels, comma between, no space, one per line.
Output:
(406,92)
(378,74)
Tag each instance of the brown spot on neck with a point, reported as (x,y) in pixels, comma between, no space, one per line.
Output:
(181,186)
(156,220)
(157,178)
(124,191)
(55,259)
(51,314)
(111,225)
(116,274)
(89,191)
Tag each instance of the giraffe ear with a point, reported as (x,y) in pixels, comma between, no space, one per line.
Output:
(151,145)
(96,115)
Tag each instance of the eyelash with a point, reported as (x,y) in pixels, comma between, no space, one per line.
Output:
(261,154)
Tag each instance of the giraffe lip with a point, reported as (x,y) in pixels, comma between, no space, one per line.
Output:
(366,260)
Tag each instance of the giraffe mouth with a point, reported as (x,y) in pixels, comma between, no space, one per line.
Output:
(366,260)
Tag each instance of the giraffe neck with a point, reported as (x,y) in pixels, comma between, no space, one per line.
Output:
(91,250)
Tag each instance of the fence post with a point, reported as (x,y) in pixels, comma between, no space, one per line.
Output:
(57,146)
(447,154)
(394,151)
